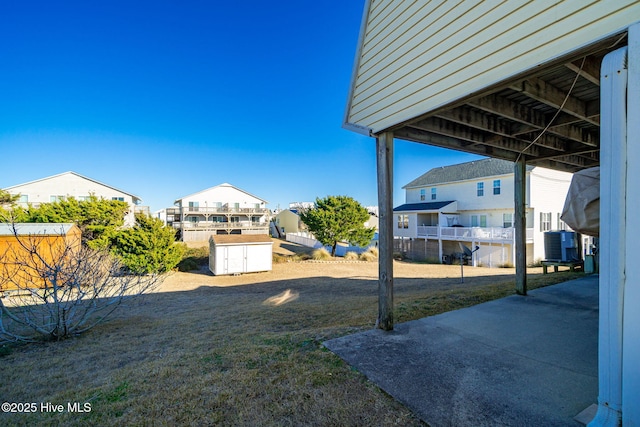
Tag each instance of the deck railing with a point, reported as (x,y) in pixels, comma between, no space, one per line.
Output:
(220,225)
(489,234)
(216,210)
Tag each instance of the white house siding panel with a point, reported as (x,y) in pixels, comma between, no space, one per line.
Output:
(466,193)
(223,194)
(548,192)
(71,185)
(438,52)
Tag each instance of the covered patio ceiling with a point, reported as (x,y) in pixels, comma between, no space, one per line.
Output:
(551,116)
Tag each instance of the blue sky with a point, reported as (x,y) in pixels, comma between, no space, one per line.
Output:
(166,98)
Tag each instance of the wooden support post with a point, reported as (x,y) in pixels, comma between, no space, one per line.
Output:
(384,148)
(520,222)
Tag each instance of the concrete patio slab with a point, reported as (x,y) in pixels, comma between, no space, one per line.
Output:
(517,361)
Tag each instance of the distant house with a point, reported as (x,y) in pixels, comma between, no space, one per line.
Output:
(223,209)
(288,221)
(71,184)
(20,269)
(472,203)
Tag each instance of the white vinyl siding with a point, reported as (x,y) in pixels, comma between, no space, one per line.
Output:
(419,56)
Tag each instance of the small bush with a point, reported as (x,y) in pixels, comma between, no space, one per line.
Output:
(374,251)
(506,264)
(194,258)
(279,259)
(367,256)
(321,255)
(536,263)
(351,256)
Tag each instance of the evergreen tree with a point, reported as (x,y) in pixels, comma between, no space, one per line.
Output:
(148,247)
(338,218)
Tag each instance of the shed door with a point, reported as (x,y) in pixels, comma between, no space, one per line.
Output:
(235,259)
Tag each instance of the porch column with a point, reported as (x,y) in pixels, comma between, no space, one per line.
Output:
(520,223)
(631,319)
(613,192)
(384,148)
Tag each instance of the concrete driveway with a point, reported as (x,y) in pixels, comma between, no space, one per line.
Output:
(517,361)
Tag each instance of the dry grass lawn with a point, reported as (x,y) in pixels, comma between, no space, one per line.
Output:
(239,350)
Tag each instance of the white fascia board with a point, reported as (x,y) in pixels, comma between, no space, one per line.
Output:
(354,75)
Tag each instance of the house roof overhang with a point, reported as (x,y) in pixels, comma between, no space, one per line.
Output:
(549,115)
(431,207)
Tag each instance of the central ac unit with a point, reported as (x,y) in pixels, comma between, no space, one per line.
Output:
(561,246)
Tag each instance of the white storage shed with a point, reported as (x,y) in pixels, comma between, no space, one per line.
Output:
(239,253)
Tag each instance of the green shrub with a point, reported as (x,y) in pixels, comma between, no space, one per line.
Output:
(148,247)
(194,258)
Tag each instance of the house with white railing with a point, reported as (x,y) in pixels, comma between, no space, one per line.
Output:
(472,204)
(223,209)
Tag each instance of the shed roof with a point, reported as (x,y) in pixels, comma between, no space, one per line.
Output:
(431,206)
(39,229)
(464,171)
(230,239)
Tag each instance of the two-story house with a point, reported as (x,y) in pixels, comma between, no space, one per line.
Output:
(70,184)
(472,203)
(223,209)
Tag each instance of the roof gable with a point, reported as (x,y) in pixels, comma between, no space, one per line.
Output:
(465,171)
(219,186)
(60,175)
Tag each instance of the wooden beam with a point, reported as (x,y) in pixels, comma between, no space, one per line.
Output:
(384,148)
(542,91)
(520,221)
(590,69)
(532,120)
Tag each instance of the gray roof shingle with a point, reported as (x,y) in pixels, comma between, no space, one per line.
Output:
(464,171)
(431,206)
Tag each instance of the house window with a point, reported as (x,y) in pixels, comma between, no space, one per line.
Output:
(84,198)
(433,194)
(478,220)
(193,219)
(561,224)
(480,187)
(54,199)
(403,221)
(120,199)
(507,220)
(545,221)
(257,205)
(24,198)
(193,206)
(423,194)
(236,205)
(496,186)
